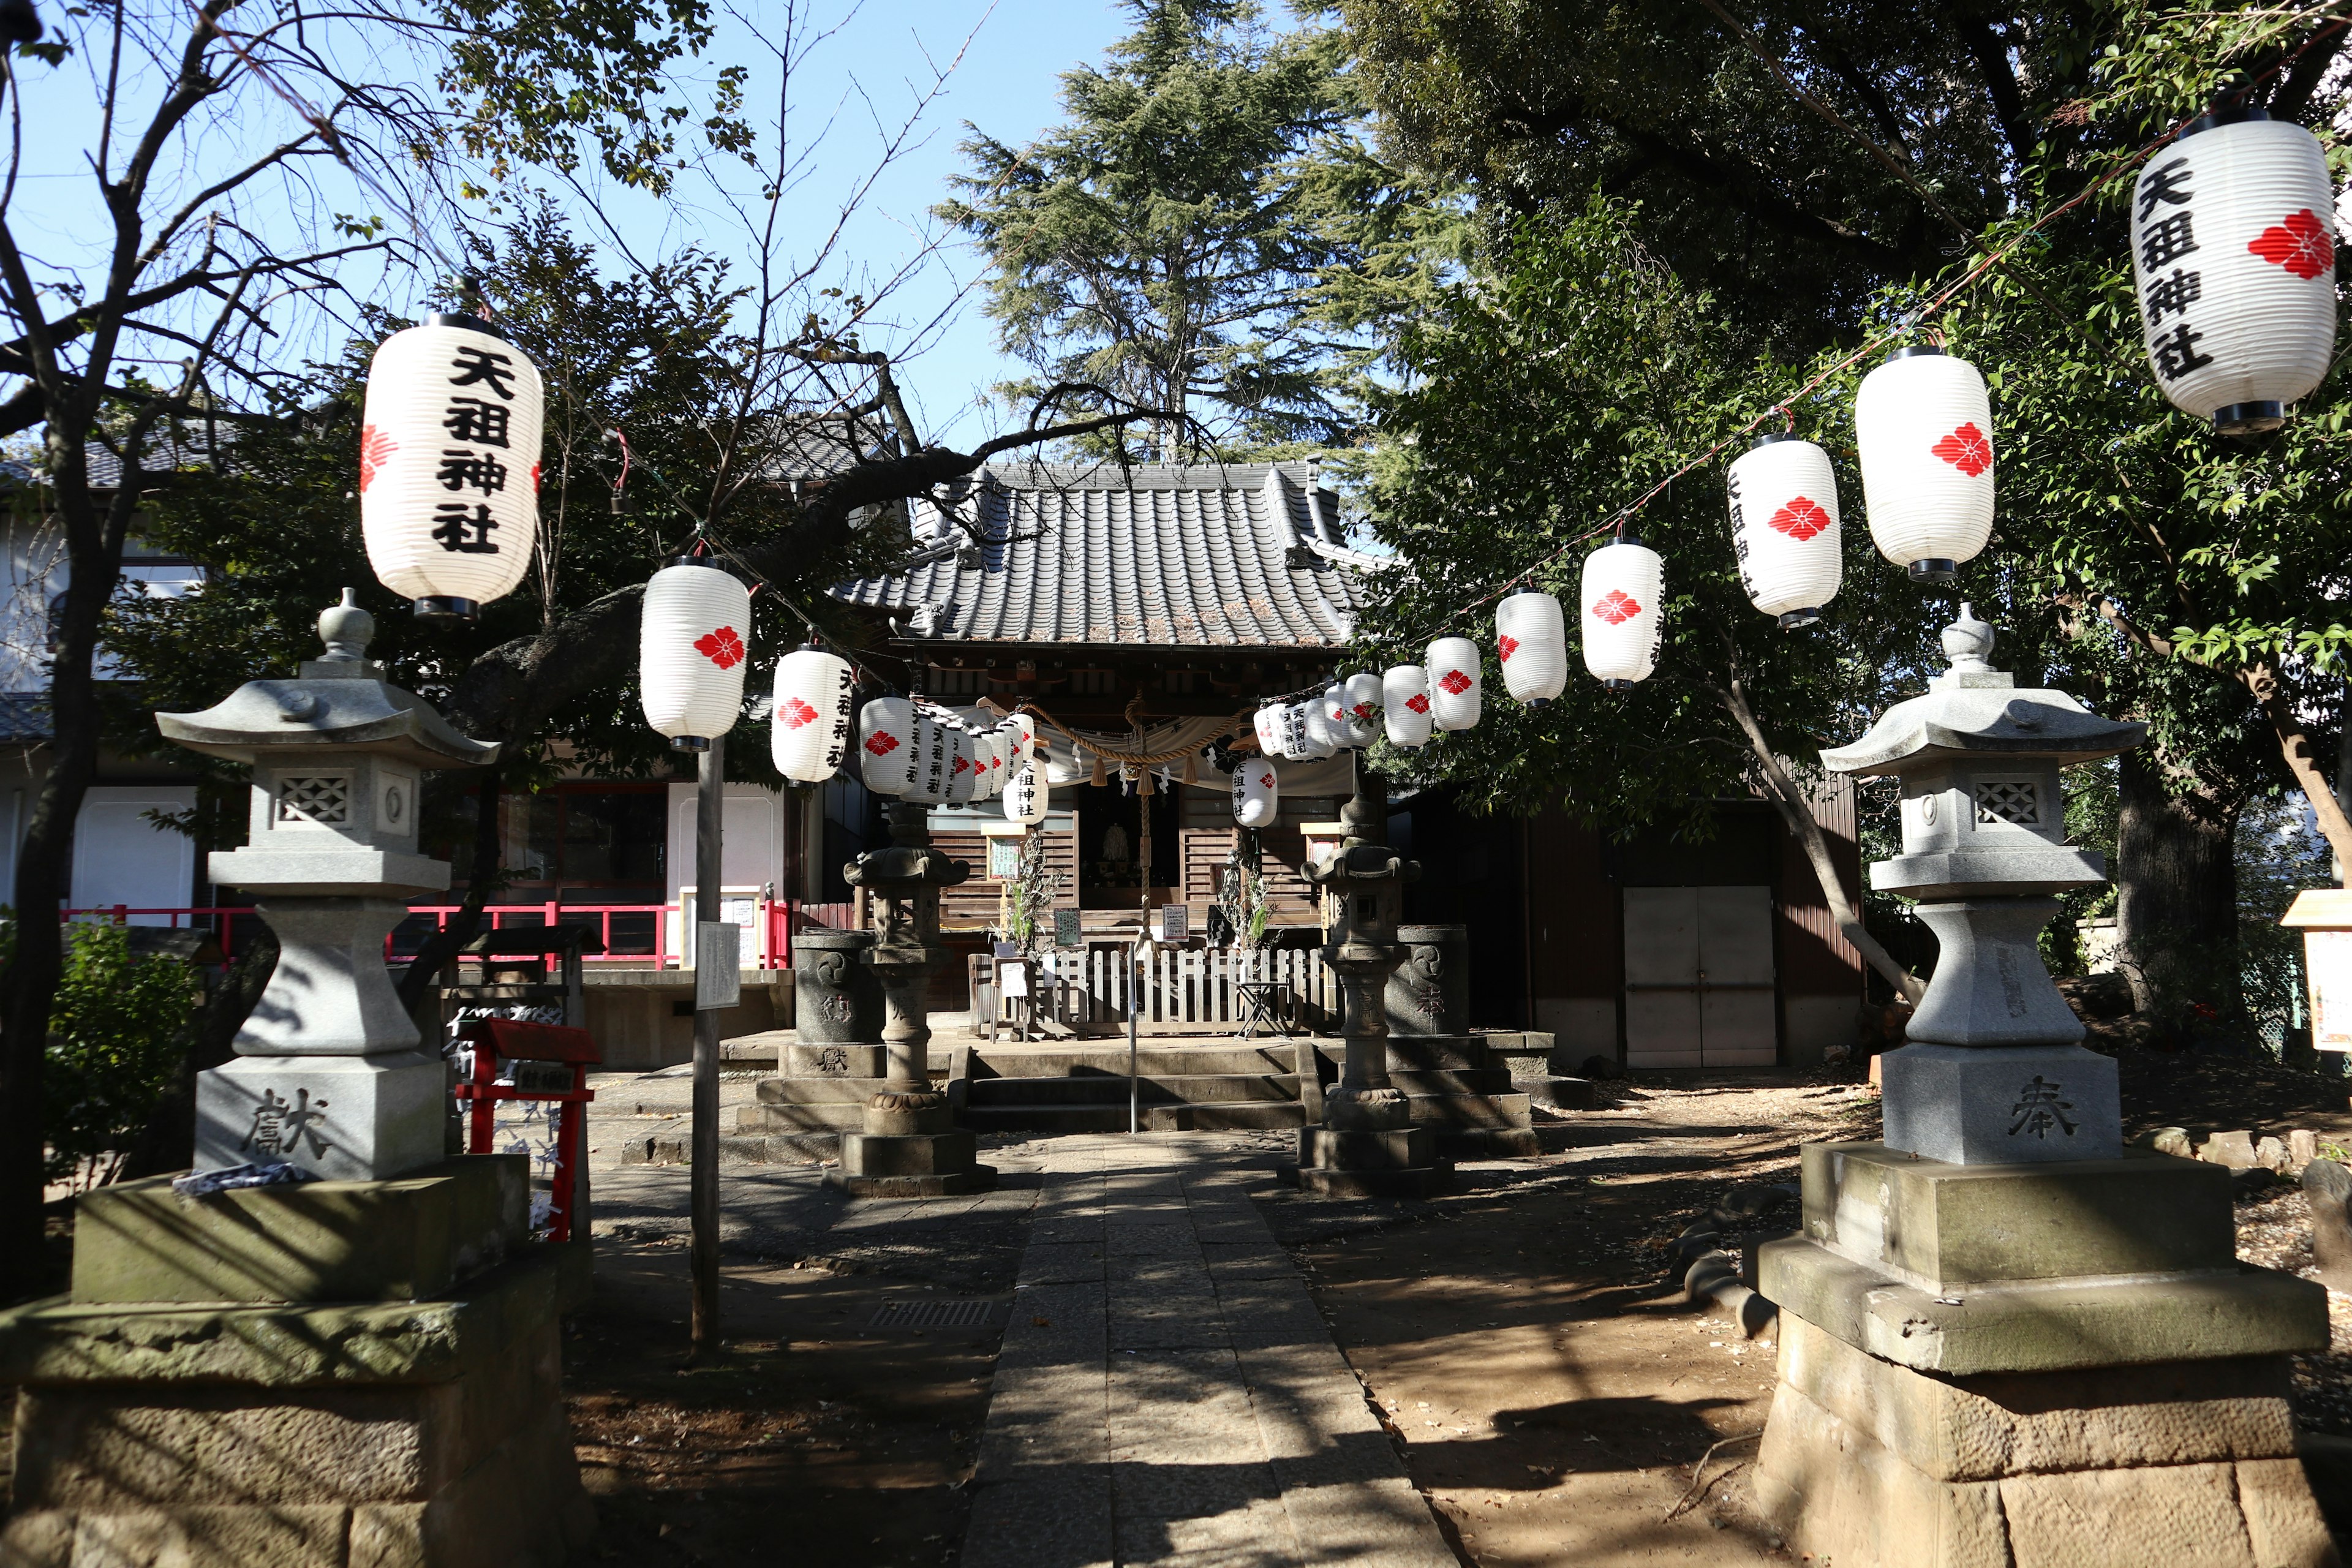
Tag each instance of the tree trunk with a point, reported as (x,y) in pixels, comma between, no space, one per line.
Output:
(2303,762)
(2177,900)
(1797,812)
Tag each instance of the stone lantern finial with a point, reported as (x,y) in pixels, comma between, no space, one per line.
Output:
(347,630)
(1967,642)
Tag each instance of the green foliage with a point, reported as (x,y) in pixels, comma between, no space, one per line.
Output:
(1164,241)
(115,1047)
(1573,373)
(1029,899)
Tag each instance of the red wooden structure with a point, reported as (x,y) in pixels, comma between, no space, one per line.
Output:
(551,1064)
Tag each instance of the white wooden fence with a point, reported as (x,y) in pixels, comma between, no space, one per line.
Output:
(1185,991)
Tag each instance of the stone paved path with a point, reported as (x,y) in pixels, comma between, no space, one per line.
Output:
(1167,1392)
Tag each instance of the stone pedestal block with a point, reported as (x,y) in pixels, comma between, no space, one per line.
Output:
(1869,1464)
(918,1164)
(890,1115)
(1999,1105)
(837,999)
(1400,1164)
(341,1118)
(410,1239)
(386,1449)
(839,1059)
(330,993)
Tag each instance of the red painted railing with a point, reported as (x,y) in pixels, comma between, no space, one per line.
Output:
(770,934)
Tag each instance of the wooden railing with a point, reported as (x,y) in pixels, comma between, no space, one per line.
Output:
(1185,991)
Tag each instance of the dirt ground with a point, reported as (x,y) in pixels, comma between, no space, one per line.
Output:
(1524,1341)
(816,1438)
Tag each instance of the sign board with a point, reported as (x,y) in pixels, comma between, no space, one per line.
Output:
(1012,977)
(2327,955)
(1172,923)
(1065,929)
(1004,860)
(717,965)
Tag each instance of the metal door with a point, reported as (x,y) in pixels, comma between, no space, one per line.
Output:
(1698,977)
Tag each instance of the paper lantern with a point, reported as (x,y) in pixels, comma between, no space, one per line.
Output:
(693,633)
(1359,700)
(1784,528)
(886,753)
(1924,427)
(1020,732)
(1621,585)
(1324,737)
(810,723)
(1454,683)
(1267,721)
(1256,792)
(1531,640)
(1026,795)
(2233,255)
(928,775)
(994,749)
(449,465)
(963,772)
(1404,705)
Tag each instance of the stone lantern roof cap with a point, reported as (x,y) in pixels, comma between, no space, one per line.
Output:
(341,700)
(1974,710)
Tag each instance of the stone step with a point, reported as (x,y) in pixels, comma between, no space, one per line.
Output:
(1465,1081)
(1092,1089)
(1151,1060)
(815,1091)
(769,1121)
(1470,1109)
(1426,1052)
(1485,1143)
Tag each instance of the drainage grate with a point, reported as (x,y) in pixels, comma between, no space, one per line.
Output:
(934,1315)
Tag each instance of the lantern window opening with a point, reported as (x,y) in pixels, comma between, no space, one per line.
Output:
(315,800)
(2017,801)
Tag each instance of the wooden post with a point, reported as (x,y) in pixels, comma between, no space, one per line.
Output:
(702,1197)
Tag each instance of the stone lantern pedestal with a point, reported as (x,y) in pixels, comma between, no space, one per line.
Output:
(909,1146)
(836,1060)
(362,1367)
(2005,1338)
(1368,1145)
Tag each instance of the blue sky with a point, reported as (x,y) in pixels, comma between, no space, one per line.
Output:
(864,76)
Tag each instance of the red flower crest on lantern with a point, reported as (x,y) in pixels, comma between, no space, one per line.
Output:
(1966,448)
(722,647)
(882,742)
(1418,701)
(2302,245)
(1266,780)
(963,765)
(792,712)
(1361,710)
(1454,683)
(1801,520)
(375,450)
(1616,606)
(1510,646)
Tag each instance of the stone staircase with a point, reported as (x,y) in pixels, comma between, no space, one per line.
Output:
(1459,1087)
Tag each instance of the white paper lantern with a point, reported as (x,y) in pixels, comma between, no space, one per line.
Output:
(2233,256)
(996,751)
(1784,528)
(1360,701)
(449,465)
(928,775)
(886,753)
(1324,737)
(1455,683)
(963,775)
(1256,792)
(1623,582)
(1267,721)
(1404,705)
(1295,742)
(1020,731)
(694,635)
(808,724)
(1026,795)
(1531,638)
(1924,424)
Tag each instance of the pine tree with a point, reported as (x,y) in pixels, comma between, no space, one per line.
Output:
(1163,243)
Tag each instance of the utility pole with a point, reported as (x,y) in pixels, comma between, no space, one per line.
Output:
(717,983)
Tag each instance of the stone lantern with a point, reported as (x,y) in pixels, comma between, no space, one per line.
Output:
(1995,1072)
(329,1074)
(911,1146)
(2005,1338)
(1368,1145)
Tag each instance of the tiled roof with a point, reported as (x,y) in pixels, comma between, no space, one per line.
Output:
(1237,554)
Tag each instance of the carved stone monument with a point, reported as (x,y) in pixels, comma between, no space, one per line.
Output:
(835,1063)
(361,1367)
(2004,1337)
(910,1146)
(1368,1145)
